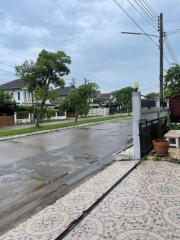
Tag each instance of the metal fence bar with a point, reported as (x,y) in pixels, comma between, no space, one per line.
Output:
(149,131)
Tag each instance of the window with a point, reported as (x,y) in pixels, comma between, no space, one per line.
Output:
(12,94)
(19,96)
(24,94)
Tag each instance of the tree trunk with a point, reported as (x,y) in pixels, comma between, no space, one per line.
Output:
(76,118)
(33,106)
(39,114)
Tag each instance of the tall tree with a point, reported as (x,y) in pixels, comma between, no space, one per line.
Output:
(42,75)
(78,100)
(172,81)
(152,95)
(124,98)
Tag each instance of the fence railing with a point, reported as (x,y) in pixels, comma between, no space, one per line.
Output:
(149,131)
(163,104)
(148,103)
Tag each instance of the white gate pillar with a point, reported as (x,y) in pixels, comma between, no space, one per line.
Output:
(136,104)
(15,118)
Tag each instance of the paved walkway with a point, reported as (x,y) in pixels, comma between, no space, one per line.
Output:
(144,206)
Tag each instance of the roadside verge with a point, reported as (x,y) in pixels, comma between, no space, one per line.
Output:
(17,133)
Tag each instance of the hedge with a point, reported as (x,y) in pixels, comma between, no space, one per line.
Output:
(22,115)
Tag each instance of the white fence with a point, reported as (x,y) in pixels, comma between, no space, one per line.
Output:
(24,120)
(98,112)
(30,118)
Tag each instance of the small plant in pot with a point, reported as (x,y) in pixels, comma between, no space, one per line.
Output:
(161,146)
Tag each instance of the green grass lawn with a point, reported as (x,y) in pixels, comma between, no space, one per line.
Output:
(12,132)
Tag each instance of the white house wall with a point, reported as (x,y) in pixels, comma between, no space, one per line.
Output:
(23,99)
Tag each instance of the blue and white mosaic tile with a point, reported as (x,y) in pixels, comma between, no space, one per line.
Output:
(145,206)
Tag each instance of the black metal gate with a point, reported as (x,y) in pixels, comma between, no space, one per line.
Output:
(149,131)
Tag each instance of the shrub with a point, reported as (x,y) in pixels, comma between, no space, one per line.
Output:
(7,108)
(174,127)
(60,113)
(22,108)
(22,115)
(49,113)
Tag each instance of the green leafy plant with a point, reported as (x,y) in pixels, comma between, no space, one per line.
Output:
(77,101)
(172,81)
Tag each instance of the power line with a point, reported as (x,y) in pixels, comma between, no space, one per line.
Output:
(167,60)
(6,64)
(146,13)
(152,24)
(6,71)
(150,8)
(173,31)
(169,48)
(144,4)
(119,5)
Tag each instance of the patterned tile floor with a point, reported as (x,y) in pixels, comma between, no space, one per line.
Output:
(53,220)
(145,206)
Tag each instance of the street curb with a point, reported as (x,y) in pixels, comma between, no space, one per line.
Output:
(119,156)
(57,129)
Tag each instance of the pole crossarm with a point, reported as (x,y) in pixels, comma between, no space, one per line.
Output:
(135,33)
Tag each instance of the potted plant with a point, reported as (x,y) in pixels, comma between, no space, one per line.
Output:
(161,146)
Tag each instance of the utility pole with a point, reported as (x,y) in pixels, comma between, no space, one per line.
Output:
(73,82)
(86,81)
(161,48)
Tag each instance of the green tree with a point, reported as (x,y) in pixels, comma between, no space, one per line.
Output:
(124,98)
(78,100)
(152,95)
(42,75)
(172,81)
(4,96)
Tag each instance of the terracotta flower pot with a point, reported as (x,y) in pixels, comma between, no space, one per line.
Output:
(161,146)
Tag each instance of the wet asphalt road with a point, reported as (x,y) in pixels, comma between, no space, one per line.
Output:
(32,163)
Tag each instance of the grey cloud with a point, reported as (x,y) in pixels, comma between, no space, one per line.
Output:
(90,32)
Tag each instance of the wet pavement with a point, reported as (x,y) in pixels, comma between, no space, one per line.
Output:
(30,166)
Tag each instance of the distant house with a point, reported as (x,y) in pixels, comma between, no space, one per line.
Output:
(174,106)
(21,96)
(62,93)
(107,98)
(18,92)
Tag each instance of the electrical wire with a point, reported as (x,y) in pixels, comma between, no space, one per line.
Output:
(173,31)
(167,60)
(150,8)
(169,48)
(144,4)
(140,6)
(119,5)
(152,24)
(6,71)
(6,64)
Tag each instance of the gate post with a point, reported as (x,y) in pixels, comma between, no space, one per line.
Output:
(136,104)
(15,118)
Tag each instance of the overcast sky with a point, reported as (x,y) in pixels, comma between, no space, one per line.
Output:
(90,32)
